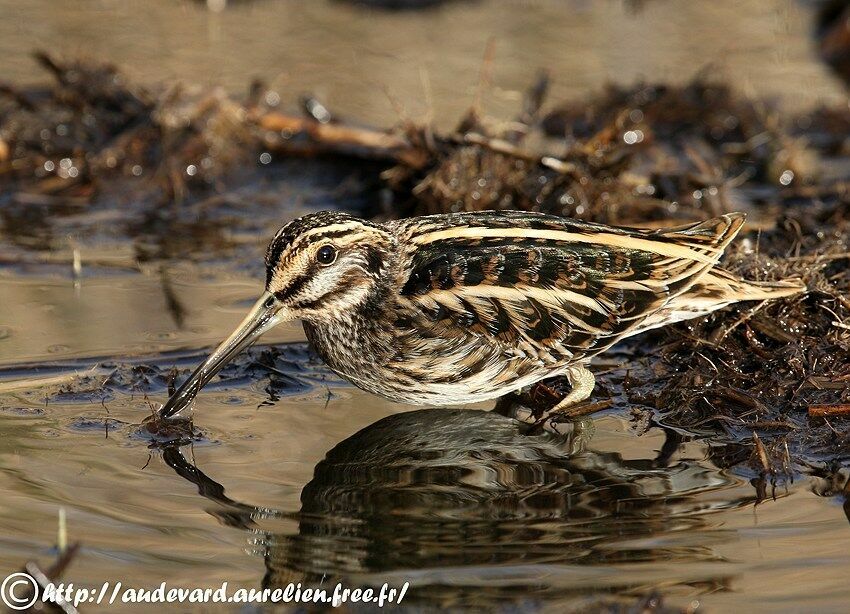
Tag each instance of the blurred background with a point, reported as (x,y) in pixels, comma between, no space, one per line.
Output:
(371,63)
(149,150)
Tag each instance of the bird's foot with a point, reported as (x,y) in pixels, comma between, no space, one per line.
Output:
(582,382)
(558,418)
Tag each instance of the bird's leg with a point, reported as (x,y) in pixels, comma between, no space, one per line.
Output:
(582,382)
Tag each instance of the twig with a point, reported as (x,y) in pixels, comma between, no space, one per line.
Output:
(762,453)
(823,410)
(484,74)
(307,136)
(817,258)
(723,332)
(579,411)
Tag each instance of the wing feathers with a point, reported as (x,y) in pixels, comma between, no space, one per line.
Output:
(700,241)
(565,287)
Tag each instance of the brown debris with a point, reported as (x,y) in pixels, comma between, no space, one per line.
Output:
(289,135)
(584,409)
(822,411)
(761,453)
(833,36)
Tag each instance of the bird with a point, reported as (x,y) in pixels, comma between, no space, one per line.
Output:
(464,307)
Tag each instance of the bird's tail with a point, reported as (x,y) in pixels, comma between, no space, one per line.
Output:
(717,289)
(723,285)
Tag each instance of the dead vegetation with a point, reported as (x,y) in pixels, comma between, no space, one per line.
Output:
(773,378)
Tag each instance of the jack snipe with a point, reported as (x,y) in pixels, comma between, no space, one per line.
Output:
(458,308)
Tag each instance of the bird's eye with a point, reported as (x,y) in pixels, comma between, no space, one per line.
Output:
(326,255)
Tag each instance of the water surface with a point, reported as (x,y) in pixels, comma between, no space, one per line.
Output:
(297,476)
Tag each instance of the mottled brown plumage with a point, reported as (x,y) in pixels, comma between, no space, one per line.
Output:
(458,308)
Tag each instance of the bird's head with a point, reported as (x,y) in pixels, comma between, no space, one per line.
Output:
(322,266)
(319,268)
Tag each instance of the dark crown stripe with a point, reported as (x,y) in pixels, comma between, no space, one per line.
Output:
(280,243)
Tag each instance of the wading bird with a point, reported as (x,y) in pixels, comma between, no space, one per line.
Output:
(459,308)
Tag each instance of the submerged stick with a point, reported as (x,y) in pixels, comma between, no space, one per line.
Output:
(579,411)
(761,452)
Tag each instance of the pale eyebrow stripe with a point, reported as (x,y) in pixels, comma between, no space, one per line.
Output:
(333,228)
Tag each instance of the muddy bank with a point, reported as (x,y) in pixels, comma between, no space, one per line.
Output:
(192,174)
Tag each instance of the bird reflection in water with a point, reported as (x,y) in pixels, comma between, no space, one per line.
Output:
(474,506)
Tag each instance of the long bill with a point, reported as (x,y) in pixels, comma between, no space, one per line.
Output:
(265,314)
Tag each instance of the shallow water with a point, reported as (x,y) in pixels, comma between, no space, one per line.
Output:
(297,476)
(330,482)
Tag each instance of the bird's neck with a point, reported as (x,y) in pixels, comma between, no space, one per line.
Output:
(360,338)
(352,346)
